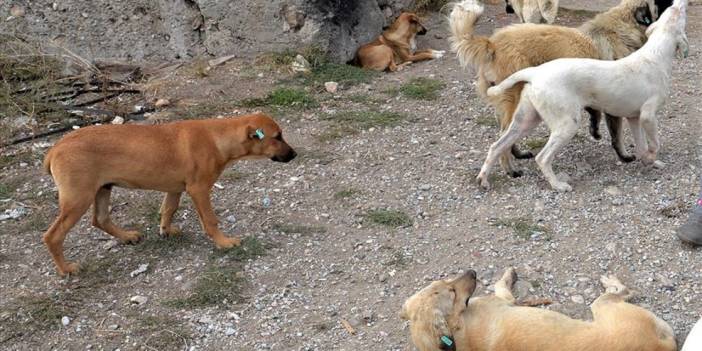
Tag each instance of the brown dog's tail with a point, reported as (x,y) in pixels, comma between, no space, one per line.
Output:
(47,162)
(470,49)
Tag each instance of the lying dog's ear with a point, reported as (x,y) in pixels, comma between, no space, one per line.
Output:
(255,133)
(643,16)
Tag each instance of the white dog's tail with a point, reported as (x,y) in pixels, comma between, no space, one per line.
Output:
(524,75)
(470,49)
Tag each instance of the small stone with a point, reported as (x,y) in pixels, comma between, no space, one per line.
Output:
(425,187)
(383,277)
(139,300)
(229,332)
(618,201)
(65,320)
(16,11)
(331,87)
(23,164)
(142,268)
(300,64)
(613,190)
(162,102)
(113,327)
(578,299)
(231,219)
(118,120)
(109,245)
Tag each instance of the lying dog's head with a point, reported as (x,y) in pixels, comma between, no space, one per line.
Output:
(264,139)
(408,25)
(673,22)
(430,310)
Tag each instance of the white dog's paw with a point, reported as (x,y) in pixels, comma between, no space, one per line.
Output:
(437,54)
(474,6)
(658,164)
(612,284)
(483,181)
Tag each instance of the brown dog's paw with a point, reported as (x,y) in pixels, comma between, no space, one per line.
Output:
(68,268)
(227,243)
(131,237)
(170,231)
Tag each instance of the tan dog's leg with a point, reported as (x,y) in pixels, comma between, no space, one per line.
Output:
(101,219)
(72,206)
(168,208)
(208,219)
(421,55)
(503,287)
(615,292)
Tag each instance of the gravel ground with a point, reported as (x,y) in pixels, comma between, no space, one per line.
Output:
(326,262)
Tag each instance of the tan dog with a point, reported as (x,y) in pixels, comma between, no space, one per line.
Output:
(442,316)
(533,11)
(183,156)
(396,46)
(610,35)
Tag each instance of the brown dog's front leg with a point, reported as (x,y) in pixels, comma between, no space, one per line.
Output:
(208,219)
(168,208)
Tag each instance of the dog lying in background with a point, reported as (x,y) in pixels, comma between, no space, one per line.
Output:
(610,35)
(396,47)
(635,87)
(533,11)
(443,316)
(176,157)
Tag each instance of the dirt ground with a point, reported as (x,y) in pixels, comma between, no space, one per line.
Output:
(369,213)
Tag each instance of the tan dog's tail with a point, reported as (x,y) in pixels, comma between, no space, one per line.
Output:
(470,49)
(518,77)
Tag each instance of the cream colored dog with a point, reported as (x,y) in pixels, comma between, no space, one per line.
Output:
(635,87)
(533,11)
(443,316)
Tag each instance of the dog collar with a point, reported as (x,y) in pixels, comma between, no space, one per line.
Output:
(259,134)
(447,343)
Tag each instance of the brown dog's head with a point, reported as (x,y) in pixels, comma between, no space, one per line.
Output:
(408,24)
(264,139)
(431,309)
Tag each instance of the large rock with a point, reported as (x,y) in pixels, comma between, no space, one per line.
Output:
(181,29)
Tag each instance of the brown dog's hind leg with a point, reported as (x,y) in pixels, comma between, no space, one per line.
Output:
(72,206)
(503,287)
(169,206)
(208,219)
(506,159)
(101,219)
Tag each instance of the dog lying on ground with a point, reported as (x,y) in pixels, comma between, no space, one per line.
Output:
(443,316)
(610,35)
(396,46)
(533,11)
(635,87)
(182,156)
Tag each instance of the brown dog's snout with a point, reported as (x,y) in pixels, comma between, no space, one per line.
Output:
(286,157)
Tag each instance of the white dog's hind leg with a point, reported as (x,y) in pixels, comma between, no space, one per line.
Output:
(525,119)
(566,130)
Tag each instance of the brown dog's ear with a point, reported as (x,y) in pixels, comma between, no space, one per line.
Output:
(255,133)
(643,16)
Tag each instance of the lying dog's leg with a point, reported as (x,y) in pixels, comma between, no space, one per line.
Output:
(524,121)
(101,219)
(595,118)
(208,219)
(421,55)
(614,125)
(72,205)
(168,208)
(503,287)
(559,138)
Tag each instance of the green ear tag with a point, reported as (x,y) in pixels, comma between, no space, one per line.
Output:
(446,340)
(259,134)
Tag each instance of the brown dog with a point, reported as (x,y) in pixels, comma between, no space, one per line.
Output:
(396,46)
(183,156)
(443,317)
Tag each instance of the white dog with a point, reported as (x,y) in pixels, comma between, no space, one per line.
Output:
(534,11)
(635,87)
(694,339)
